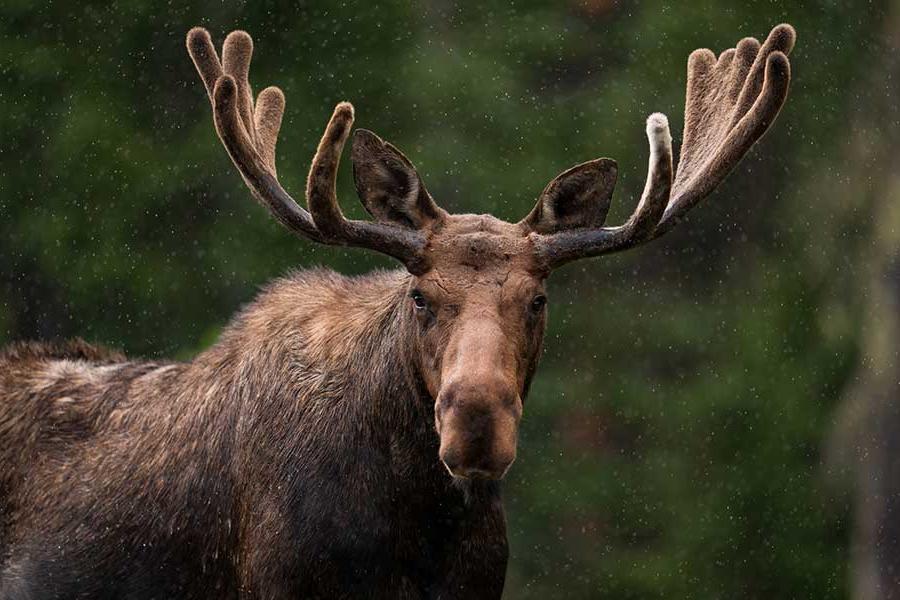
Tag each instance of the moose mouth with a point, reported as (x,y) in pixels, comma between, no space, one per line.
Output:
(477,474)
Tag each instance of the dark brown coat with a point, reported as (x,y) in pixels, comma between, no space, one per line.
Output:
(293,458)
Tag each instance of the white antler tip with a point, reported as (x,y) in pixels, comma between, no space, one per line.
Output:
(345,109)
(658,131)
(657,123)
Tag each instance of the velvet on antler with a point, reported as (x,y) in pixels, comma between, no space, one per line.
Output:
(730,103)
(250,133)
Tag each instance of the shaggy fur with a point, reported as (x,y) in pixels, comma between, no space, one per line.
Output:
(262,467)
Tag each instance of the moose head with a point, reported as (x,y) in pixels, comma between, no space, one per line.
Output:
(476,283)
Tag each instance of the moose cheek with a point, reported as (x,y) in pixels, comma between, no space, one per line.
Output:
(426,318)
(431,360)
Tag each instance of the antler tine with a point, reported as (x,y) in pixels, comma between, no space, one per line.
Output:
(250,135)
(267,118)
(658,186)
(206,60)
(237,51)
(321,195)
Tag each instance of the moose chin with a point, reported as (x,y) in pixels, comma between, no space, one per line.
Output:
(345,437)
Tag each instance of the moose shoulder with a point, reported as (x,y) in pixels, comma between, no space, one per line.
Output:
(346,436)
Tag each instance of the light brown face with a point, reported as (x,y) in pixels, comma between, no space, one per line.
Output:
(477,294)
(481,312)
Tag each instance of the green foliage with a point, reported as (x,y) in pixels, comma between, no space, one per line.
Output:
(672,443)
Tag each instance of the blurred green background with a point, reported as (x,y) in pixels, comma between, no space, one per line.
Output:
(673,445)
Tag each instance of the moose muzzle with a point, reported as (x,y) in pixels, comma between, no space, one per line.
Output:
(478,424)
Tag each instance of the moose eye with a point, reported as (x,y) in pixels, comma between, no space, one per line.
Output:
(418,300)
(538,304)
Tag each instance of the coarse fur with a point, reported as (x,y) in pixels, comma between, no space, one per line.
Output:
(263,465)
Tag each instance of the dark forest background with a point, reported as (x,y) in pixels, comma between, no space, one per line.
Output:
(684,437)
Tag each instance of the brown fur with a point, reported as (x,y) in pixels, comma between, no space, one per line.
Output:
(295,455)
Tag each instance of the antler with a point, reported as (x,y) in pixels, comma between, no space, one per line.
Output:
(730,103)
(250,133)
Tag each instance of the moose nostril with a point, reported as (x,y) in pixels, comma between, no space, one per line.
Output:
(451,460)
(478,401)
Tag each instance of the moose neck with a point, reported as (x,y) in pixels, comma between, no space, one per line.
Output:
(322,358)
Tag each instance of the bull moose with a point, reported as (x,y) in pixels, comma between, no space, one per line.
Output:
(346,436)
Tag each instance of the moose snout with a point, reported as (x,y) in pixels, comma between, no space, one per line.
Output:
(478,428)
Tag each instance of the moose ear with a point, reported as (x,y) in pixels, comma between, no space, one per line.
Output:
(577,198)
(388,184)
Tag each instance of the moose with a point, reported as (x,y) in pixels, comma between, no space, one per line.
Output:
(346,436)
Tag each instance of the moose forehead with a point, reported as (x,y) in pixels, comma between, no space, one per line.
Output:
(478,248)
